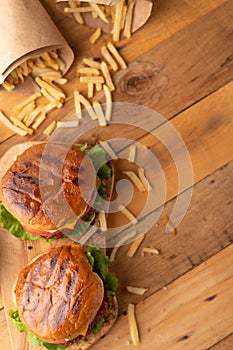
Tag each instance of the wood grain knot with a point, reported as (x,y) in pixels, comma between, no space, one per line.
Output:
(139,78)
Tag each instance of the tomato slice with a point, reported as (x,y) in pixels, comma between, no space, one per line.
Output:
(45,234)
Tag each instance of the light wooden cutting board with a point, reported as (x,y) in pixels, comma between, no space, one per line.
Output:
(15,253)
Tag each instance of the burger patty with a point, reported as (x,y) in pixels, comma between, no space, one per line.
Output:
(58,294)
(42,187)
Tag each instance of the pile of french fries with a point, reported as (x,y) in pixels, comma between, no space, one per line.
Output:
(28,115)
(119,15)
(97,77)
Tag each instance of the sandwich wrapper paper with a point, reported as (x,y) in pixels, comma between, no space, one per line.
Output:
(27,31)
(142,12)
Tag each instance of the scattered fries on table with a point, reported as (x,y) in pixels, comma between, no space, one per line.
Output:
(97,77)
(120,16)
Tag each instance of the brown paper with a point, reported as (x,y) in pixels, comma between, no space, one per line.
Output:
(28,31)
(142,12)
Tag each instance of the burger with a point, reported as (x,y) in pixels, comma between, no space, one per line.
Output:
(65,297)
(50,190)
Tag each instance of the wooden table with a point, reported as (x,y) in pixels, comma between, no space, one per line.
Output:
(180,65)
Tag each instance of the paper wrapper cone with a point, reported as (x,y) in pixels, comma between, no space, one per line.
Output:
(142,12)
(28,31)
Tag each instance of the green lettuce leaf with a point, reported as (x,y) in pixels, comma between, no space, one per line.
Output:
(18,324)
(35,341)
(98,326)
(83,148)
(98,156)
(83,227)
(100,264)
(10,223)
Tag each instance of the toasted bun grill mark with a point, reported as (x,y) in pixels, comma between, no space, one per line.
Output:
(44,202)
(58,294)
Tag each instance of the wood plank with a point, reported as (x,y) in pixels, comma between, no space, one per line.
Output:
(186,311)
(225,344)
(206,129)
(201,63)
(204,231)
(1,301)
(5,340)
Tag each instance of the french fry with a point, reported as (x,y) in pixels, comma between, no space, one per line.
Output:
(20,74)
(89,70)
(60,81)
(39,121)
(135,245)
(30,118)
(46,94)
(50,61)
(144,180)
(136,290)
(150,251)
(78,9)
(117,21)
(14,76)
(48,131)
(25,102)
(40,71)
(170,226)
(27,109)
(77,105)
(91,63)
(94,14)
(98,87)
(133,324)
(50,107)
(11,126)
(21,125)
(8,86)
(132,153)
(53,90)
(108,149)
(68,124)
(62,65)
(107,76)
(92,79)
(109,58)
(128,214)
(95,36)
(26,70)
(39,63)
(116,55)
(90,90)
(128,19)
(102,220)
(77,16)
(124,11)
(51,76)
(86,104)
(135,179)
(99,11)
(123,240)
(108,109)
(99,112)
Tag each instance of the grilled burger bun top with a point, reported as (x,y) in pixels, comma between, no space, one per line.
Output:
(58,294)
(22,186)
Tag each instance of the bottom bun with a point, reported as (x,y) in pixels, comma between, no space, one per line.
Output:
(92,339)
